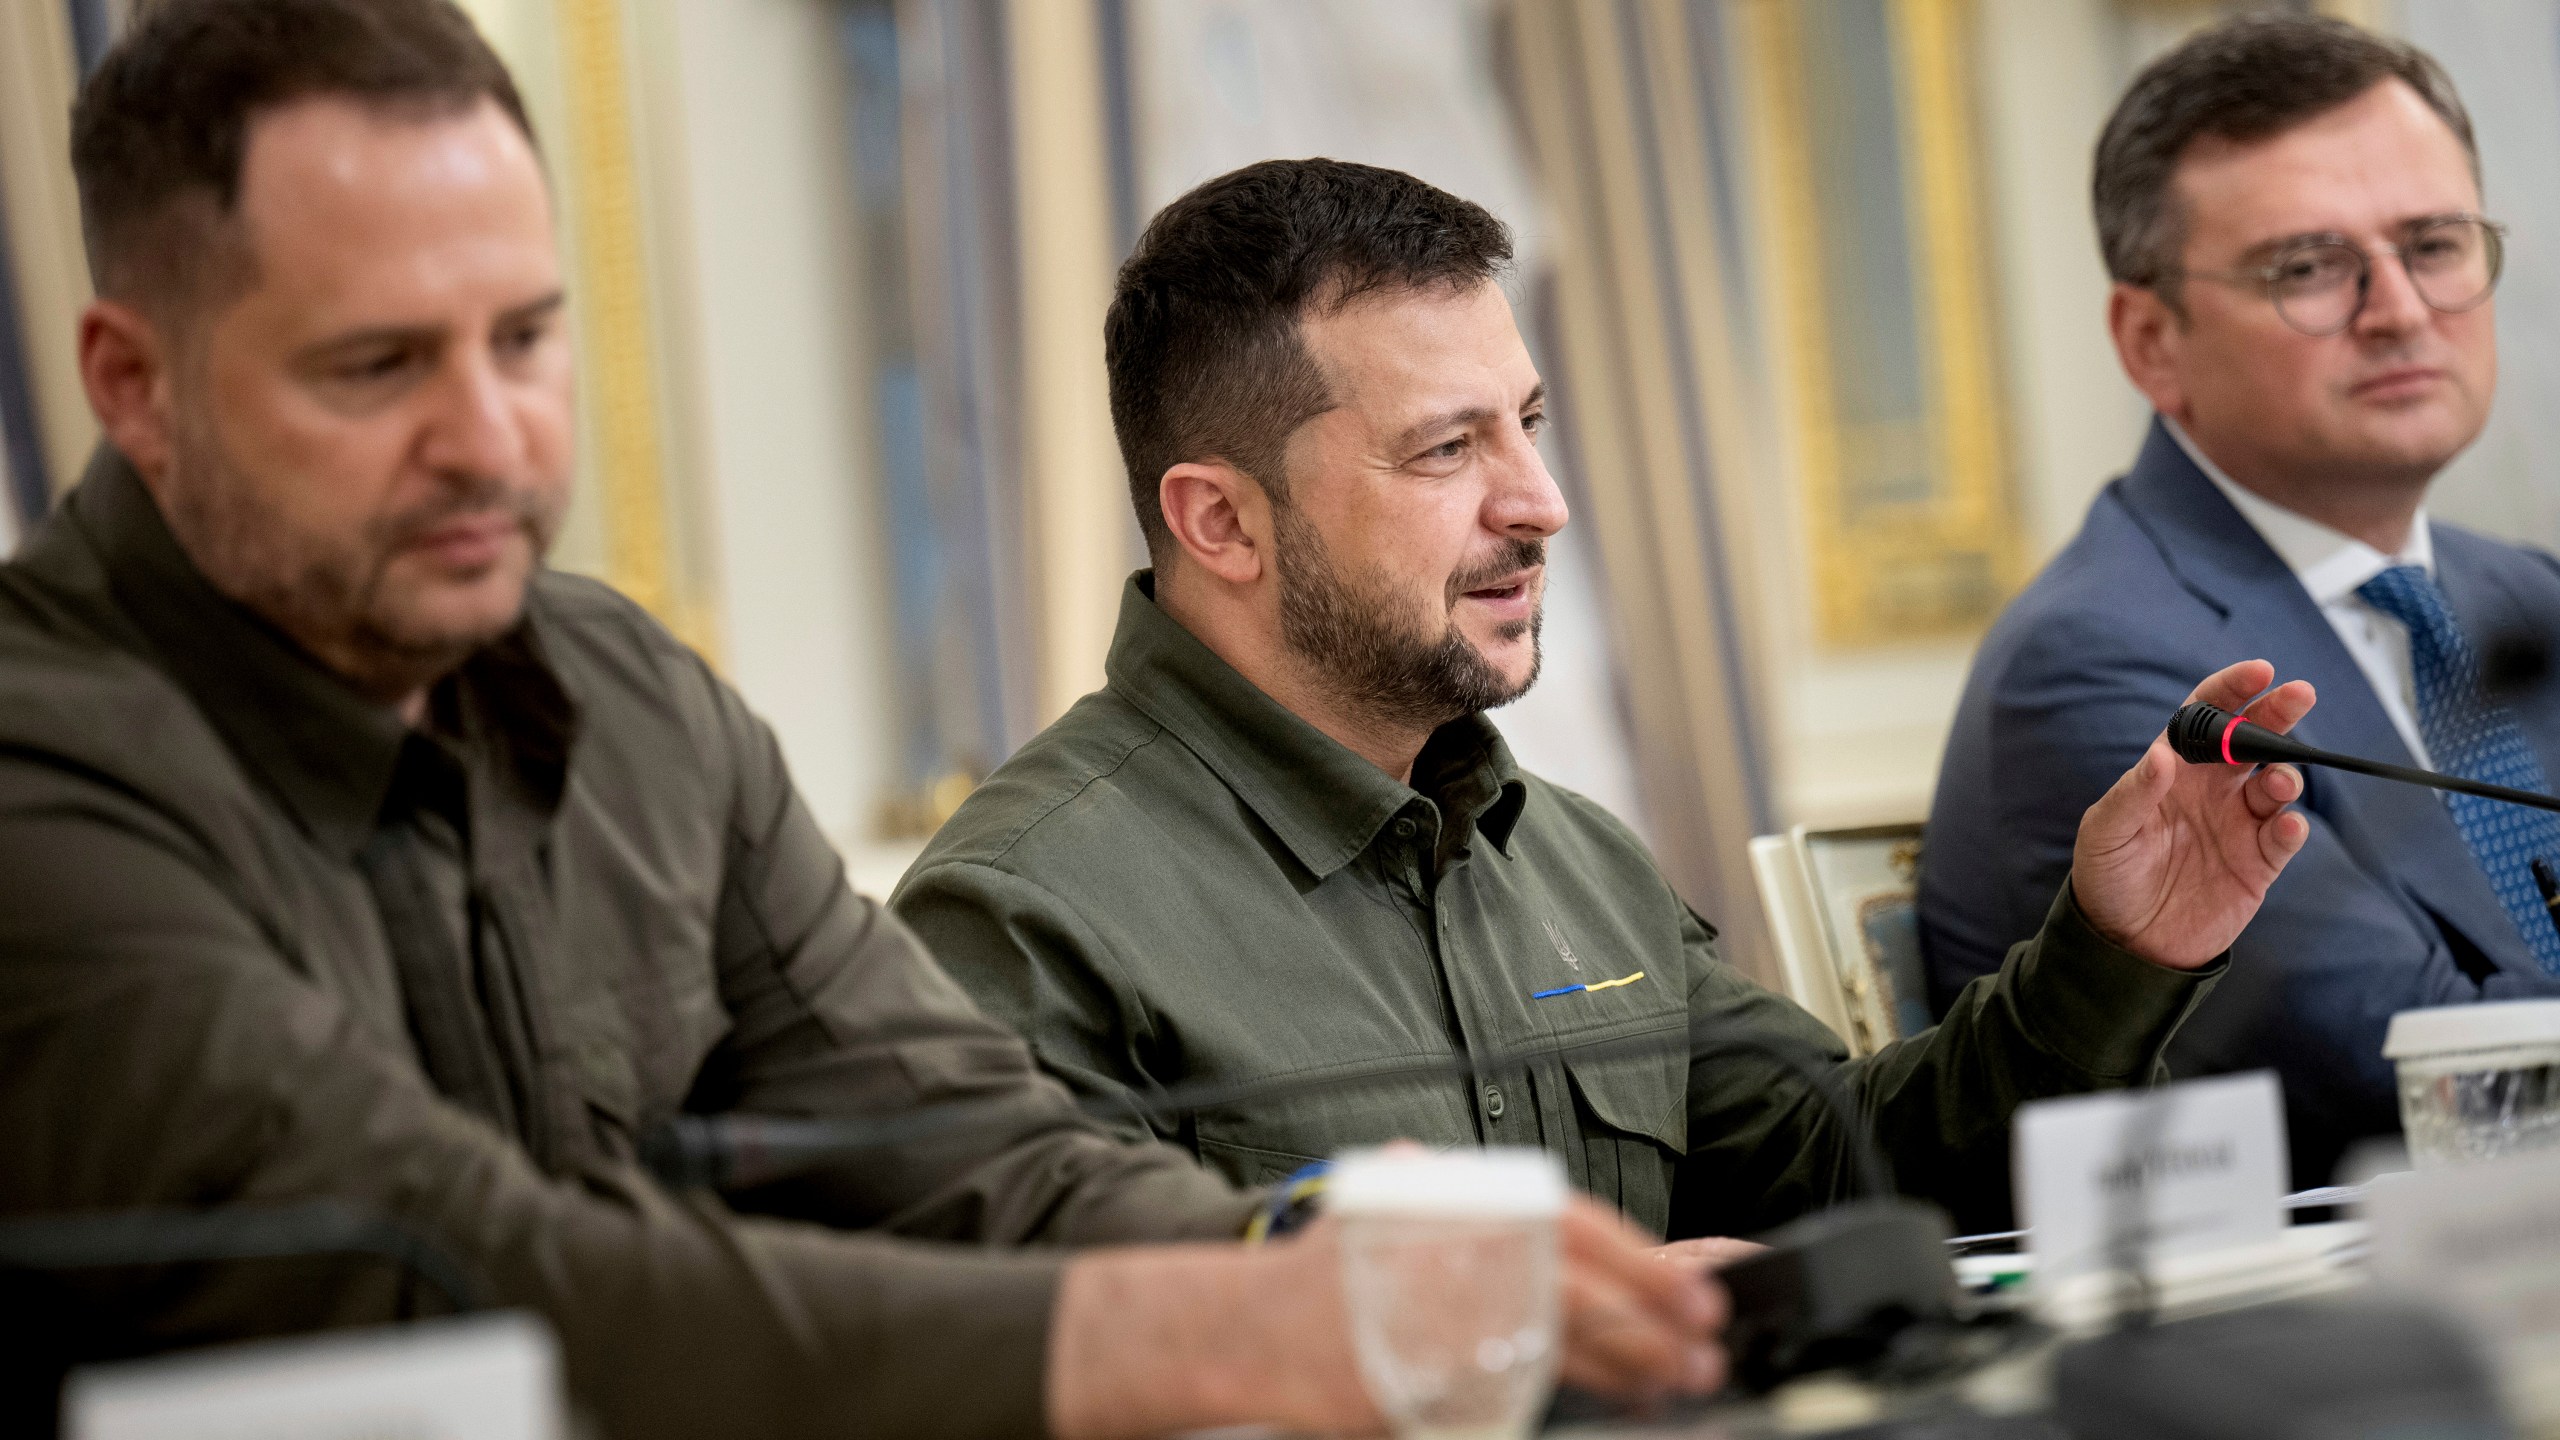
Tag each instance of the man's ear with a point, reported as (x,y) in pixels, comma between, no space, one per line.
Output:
(2148,335)
(124,365)
(1219,518)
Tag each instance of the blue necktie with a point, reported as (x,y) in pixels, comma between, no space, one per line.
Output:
(2472,736)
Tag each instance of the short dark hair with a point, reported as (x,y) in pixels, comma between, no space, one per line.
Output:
(2245,79)
(161,127)
(1202,342)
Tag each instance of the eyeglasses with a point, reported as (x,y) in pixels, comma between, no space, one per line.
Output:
(2319,285)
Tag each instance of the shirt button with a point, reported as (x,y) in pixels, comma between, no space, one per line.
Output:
(1493,1101)
(1404,829)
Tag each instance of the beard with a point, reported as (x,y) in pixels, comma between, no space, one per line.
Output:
(1346,629)
(337,596)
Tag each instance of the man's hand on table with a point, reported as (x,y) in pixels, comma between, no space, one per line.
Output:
(1635,1328)
(2172,862)
(1710,1253)
(1153,1339)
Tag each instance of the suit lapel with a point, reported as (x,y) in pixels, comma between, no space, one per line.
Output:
(2400,832)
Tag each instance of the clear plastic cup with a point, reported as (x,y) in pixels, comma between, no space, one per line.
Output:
(1451,1278)
(2477,1081)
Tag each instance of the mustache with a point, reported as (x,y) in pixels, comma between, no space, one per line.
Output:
(469,498)
(1511,557)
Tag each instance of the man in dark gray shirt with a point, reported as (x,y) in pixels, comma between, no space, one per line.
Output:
(352,857)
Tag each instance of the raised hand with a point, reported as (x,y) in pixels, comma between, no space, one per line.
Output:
(2172,861)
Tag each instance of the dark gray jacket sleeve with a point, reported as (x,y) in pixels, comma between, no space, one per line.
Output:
(2067,1013)
(161,1050)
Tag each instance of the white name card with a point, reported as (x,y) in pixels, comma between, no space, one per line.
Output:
(2483,1241)
(475,1377)
(2180,1170)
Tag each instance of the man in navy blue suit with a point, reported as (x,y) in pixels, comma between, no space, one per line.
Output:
(2290,209)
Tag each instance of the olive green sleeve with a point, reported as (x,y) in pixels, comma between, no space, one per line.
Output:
(2067,1013)
(1029,960)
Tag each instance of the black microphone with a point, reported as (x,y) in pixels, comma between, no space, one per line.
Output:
(112,1239)
(46,1328)
(2209,735)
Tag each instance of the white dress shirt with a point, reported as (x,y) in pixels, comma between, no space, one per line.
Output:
(2330,566)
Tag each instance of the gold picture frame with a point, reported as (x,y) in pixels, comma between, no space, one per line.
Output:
(1866,163)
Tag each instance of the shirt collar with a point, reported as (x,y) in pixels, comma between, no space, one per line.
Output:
(328,753)
(1324,801)
(2329,563)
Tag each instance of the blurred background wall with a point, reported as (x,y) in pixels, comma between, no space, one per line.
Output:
(1814,281)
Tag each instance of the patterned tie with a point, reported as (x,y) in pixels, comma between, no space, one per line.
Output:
(2472,736)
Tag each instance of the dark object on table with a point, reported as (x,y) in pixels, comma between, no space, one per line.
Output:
(1957,1427)
(1835,1288)
(2339,1369)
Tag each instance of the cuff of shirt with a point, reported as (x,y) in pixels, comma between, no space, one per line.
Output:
(2107,1009)
(958,1342)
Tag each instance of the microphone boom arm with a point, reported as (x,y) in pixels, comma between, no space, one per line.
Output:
(2209,735)
(2410,776)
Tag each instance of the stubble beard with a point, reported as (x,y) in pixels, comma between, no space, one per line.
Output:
(334,601)
(1346,630)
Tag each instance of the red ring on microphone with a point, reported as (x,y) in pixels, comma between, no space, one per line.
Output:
(2236,723)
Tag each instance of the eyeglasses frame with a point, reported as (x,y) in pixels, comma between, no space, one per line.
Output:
(2263,278)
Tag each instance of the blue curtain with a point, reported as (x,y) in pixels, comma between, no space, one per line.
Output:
(93,27)
(1120,121)
(930,146)
(29,486)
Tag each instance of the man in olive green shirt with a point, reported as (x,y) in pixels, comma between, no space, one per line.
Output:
(1282,847)
(352,858)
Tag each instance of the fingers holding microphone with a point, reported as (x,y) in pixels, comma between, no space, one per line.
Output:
(2172,862)
(2244,691)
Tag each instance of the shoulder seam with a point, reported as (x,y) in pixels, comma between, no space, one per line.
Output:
(1127,995)
(996,856)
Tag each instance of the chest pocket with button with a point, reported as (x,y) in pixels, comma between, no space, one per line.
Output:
(1631,1109)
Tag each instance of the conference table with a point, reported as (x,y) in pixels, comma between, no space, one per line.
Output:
(2005,1394)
